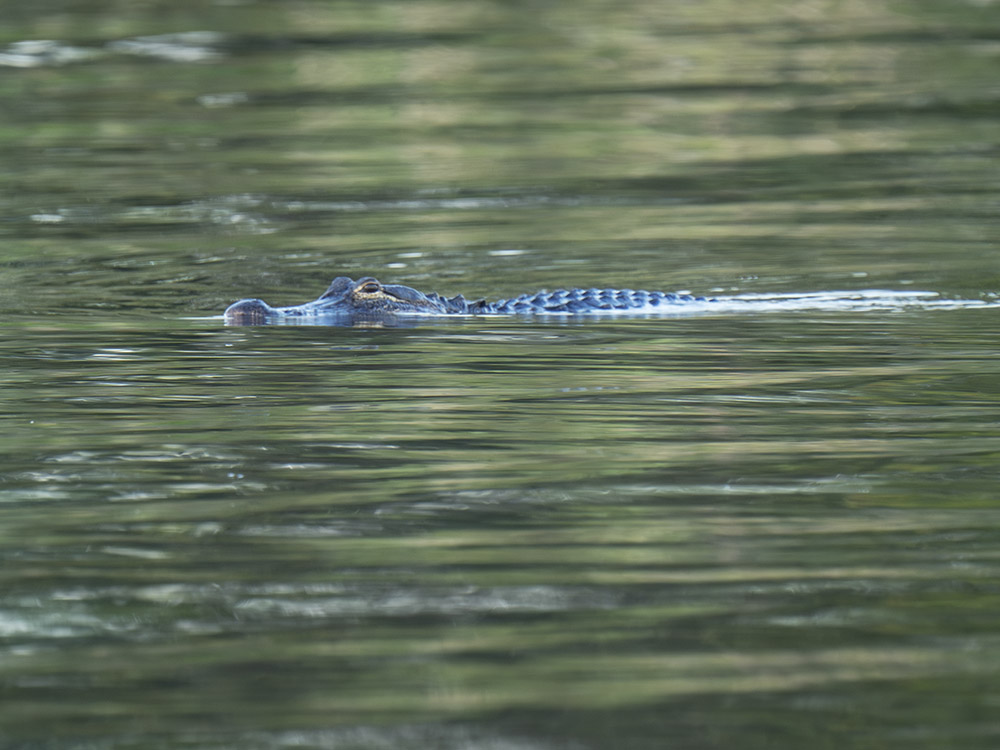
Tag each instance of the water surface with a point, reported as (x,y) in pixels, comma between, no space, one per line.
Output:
(772,527)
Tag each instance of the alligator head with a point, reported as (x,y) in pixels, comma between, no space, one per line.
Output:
(347,300)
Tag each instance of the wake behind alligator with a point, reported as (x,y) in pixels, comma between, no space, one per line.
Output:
(369,301)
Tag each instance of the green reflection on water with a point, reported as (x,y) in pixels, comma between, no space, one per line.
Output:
(763,531)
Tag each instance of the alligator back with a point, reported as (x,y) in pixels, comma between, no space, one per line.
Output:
(590,300)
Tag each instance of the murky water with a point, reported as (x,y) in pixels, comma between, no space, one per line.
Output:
(769,525)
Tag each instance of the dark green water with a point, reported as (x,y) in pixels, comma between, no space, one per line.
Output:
(771,529)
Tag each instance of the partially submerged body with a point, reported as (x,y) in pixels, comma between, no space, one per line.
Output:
(347,301)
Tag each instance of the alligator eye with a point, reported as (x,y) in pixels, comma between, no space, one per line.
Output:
(370,288)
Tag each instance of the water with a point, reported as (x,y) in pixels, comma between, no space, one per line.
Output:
(772,527)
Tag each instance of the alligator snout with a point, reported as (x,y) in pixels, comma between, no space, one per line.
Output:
(248,312)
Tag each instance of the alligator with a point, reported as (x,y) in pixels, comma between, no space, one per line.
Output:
(347,301)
